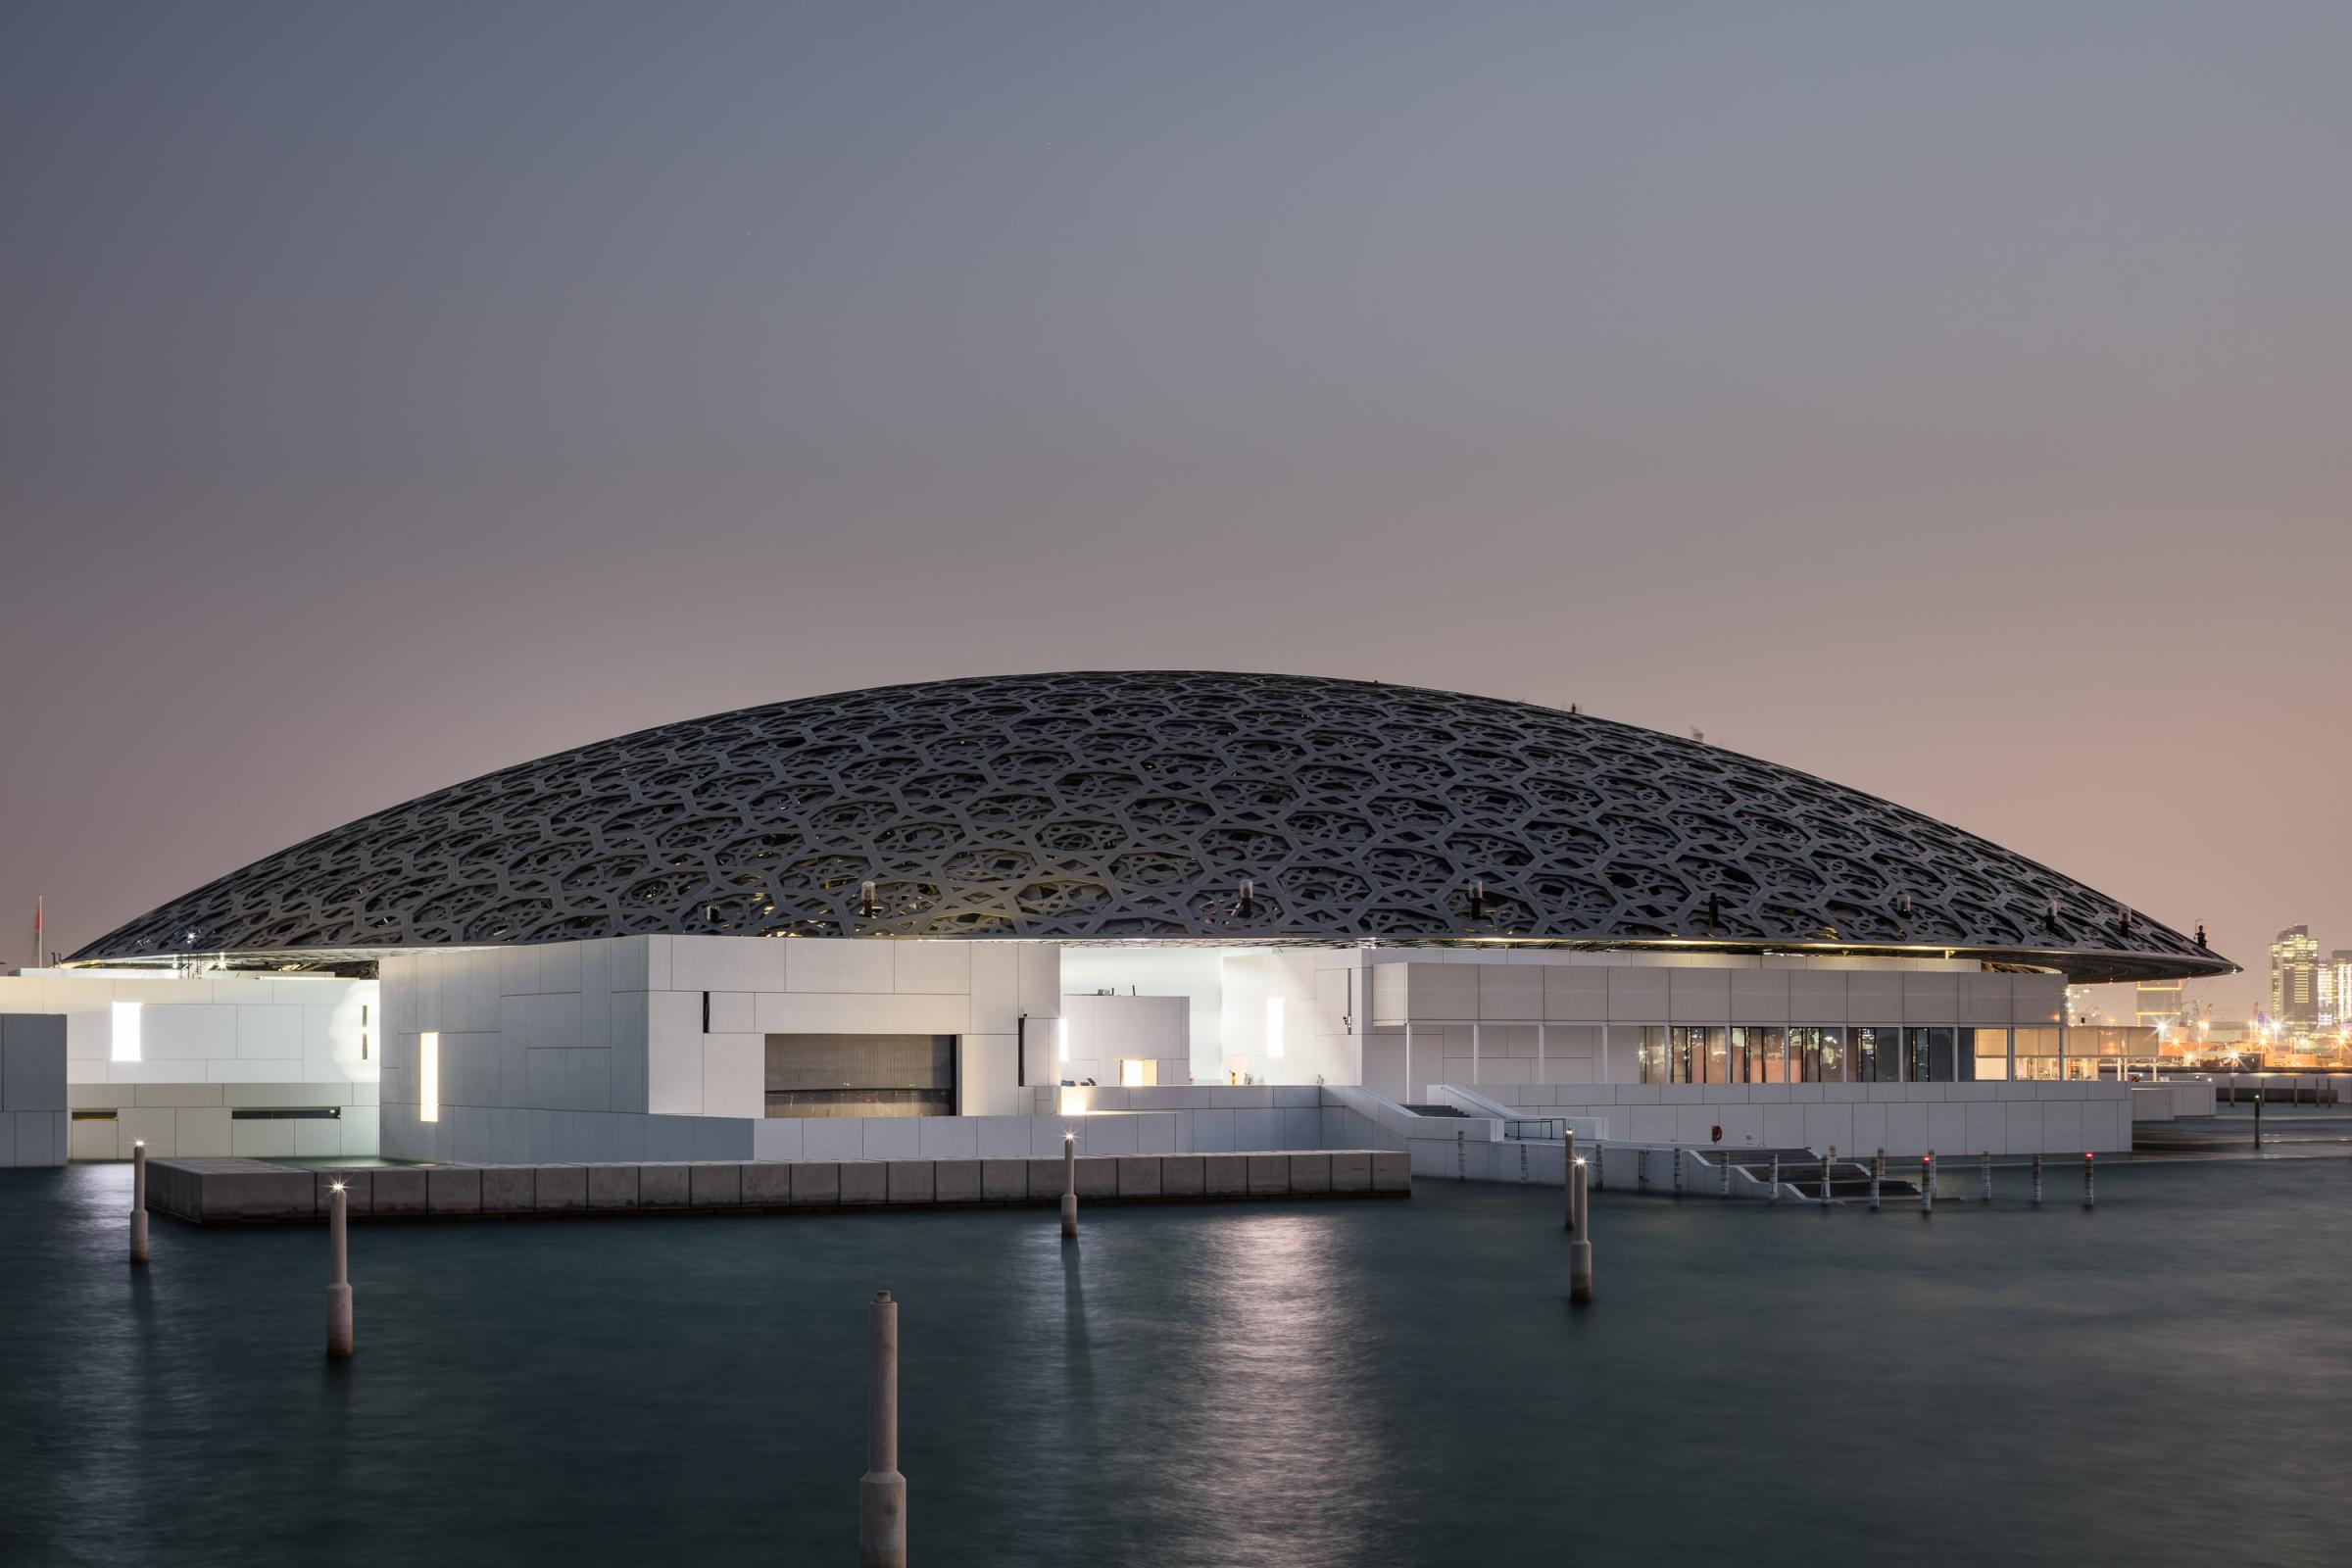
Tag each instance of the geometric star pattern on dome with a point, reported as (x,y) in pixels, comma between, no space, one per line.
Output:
(1137,805)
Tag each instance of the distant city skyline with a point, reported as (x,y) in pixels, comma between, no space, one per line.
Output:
(1917,397)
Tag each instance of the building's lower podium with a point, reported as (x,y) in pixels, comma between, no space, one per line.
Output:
(245,1192)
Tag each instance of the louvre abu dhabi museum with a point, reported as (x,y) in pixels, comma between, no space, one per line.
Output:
(1164,911)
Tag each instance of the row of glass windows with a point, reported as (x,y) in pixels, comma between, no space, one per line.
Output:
(1857,1053)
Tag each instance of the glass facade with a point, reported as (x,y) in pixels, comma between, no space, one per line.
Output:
(1878,1054)
(1698,1053)
(2097,1053)
(1817,1053)
(1867,1054)
(2037,1052)
(1650,1054)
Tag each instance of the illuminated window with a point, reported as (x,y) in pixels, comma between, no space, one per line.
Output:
(429,1076)
(123,1046)
(1138,1073)
(1992,1053)
(2038,1054)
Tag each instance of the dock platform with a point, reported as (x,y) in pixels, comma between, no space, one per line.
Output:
(256,1191)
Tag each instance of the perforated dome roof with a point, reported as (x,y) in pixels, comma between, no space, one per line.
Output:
(1137,805)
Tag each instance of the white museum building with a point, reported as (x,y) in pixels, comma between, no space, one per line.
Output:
(1169,911)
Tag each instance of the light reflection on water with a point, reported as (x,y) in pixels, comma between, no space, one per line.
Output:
(1312,1384)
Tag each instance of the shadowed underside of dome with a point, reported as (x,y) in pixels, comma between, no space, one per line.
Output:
(1141,805)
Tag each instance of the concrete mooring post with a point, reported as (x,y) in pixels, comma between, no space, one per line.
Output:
(2257,1118)
(2036,1181)
(1580,1251)
(2090,1186)
(1878,1174)
(1677,1170)
(1774,1196)
(138,1201)
(1725,1179)
(1069,1187)
(339,1274)
(1568,1176)
(1827,1165)
(882,1490)
(1927,1182)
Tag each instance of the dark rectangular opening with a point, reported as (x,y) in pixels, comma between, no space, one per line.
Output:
(862,1075)
(94,1116)
(288,1113)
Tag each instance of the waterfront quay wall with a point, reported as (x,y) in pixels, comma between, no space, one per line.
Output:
(244,1192)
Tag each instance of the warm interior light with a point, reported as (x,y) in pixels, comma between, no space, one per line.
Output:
(1274,1028)
(1131,1073)
(123,1045)
(429,1076)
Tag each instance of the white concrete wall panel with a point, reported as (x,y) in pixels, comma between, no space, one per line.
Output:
(1508,993)
(1441,990)
(1698,995)
(1816,995)
(1638,995)
(944,968)
(841,964)
(1040,979)
(1576,993)
(1759,996)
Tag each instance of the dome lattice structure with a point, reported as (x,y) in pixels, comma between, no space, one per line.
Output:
(1112,806)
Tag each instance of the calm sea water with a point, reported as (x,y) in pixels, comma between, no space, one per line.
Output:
(2167,1378)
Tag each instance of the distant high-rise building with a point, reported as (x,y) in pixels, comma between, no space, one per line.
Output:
(2295,977)
(2157,1003)
(2335,987)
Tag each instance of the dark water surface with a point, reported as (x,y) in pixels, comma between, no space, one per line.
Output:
(2167,1378)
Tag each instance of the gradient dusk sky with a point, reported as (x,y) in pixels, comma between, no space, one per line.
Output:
(1949,400)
